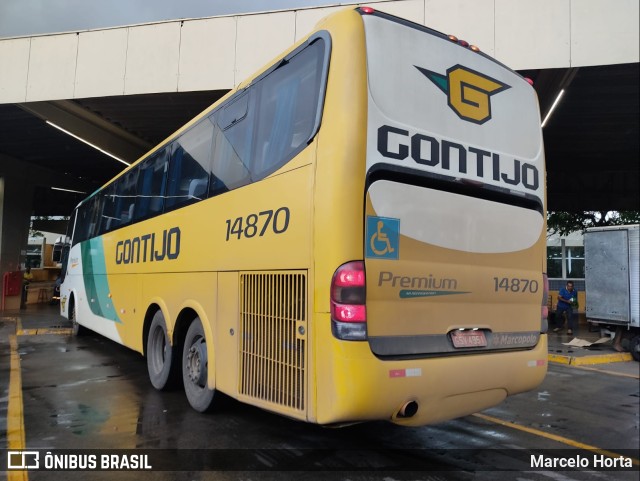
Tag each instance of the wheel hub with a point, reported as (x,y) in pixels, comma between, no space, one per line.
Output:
(197,363)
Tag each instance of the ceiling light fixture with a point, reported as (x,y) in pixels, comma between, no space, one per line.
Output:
(68,190)
(555,102)
(86,142)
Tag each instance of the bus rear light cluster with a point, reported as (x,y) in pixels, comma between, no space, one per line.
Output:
(348,310)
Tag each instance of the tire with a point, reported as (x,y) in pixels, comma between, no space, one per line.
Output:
(76,329)
(634,347)
(195,367)
(161,364)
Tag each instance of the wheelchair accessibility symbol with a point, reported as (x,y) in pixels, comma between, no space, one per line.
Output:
(383,234)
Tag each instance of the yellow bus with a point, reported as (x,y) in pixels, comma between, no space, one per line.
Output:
(355,233)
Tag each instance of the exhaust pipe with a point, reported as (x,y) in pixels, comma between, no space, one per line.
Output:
(408,410)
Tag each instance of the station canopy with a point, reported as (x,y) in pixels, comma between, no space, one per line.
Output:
(591,139)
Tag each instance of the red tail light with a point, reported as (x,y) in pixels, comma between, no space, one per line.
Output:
(544,314)
(348,311)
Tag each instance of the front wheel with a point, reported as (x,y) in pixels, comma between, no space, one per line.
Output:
(76,329)
(195,365)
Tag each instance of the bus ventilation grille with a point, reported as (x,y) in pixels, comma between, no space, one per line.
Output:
(273,315)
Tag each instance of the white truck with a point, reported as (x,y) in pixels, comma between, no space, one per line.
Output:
(612,278)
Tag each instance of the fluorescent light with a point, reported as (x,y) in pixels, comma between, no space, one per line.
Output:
(86,142)
(555,102)
(68,190)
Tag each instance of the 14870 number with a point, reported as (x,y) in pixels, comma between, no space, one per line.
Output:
(259,224)
(509,284)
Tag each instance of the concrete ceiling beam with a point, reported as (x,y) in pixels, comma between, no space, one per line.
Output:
(90,127)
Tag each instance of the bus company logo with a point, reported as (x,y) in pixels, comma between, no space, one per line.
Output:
(468,92)
(149,247)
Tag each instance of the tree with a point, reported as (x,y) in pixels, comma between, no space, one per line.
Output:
(564,223)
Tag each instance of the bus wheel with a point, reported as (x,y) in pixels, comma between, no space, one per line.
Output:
(76,329)
(160,354)
(195,368)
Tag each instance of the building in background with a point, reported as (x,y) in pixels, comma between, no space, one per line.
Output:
(565,261)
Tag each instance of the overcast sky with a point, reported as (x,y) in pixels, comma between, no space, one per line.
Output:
(29,17)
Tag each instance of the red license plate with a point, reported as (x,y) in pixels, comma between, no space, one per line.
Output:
(468,339)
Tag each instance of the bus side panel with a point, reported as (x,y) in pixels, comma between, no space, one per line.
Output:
(227,331)
(339,184)
(339,187)
(86,283)
(202,238)
(174,292)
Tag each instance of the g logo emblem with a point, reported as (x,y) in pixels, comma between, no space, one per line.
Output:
(468,92)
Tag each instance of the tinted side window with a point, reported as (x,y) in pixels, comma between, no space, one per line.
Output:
(243,141)
(71,227)
(88,216)
(79,233)
(126,197)
(230,168)
(189,166)
(109,219)
(286,110)
(270,122)
(151,185)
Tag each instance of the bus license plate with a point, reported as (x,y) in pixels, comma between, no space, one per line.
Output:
(468,339)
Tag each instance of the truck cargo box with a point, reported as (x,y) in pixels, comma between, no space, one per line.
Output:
(612,275)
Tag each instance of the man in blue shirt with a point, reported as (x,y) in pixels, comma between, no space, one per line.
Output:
(567,301)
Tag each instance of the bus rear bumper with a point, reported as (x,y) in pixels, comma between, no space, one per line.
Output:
(424,391)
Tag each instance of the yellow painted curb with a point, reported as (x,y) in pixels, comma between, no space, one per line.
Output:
(602,359)
(591,360)
(16,439)
(559,359)
(35,332)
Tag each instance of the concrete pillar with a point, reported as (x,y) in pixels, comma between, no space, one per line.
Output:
(16,205)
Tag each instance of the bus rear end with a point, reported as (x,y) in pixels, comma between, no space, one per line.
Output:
(445,315)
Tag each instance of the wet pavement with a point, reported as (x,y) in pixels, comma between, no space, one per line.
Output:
(90,393)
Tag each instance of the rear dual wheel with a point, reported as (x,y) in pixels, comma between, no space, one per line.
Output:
(195,368)
(163,362)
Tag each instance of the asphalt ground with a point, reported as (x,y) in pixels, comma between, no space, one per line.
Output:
(90,396)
